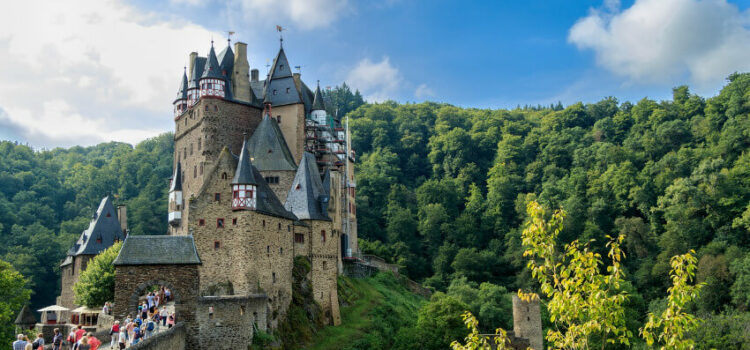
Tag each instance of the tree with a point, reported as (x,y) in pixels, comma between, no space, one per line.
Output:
(13,296)
(475,341)
(96,285)
(584,304)
(671,327)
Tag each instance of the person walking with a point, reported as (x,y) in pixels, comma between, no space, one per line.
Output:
(83,344)
(150,327)
(20,343)
(80,332)
(163,315)
(170,321)
(72,337)
(122,340)
(114,332)
(57,340)
(95,343)
(38,342)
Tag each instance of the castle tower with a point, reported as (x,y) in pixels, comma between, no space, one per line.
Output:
(196,71)
(240,74)
(212,82)
(285,92)
(271,155)
(181,102)
(175,197)
(527,321)
(308,201)
(244,183)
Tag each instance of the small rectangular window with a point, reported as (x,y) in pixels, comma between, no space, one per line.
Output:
(201,222)
(217,244)
(299,238)
(220,223)
(273,276)
(323,236)
(234,221)
(217,197)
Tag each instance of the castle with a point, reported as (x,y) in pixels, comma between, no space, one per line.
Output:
(262,174)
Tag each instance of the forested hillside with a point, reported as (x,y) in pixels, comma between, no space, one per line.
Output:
(443,190)
(47,198)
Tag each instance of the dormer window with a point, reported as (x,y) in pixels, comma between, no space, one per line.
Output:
(274,92)
(281,67)
(287,90)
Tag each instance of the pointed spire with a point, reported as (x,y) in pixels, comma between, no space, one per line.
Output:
(280,67)
(244,174)
(307,198)
(176,178)
(211,69)
(318,103)
(268,148)
(182,92)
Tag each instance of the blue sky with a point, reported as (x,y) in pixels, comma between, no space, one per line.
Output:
(107,70)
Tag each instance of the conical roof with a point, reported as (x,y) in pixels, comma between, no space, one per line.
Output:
(104,229)
(197,72)
(268,148)
(25,316)
(176,178)
(244,174)
(280,88)
(226,62)
(307,198)
(318,103)
(182,92)
(211,69)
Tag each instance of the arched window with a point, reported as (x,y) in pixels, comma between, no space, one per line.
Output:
(323,236)
(223,176)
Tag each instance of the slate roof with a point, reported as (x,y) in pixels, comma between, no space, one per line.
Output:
(268,148)
(176,178)
(182,92)
(244,173)
(226,62)
(327,182)
(25,316)
(307,198)
(211,69)
(102,232)
(280,88)
(198,65)
(158,250)
(318,104)
(266,201)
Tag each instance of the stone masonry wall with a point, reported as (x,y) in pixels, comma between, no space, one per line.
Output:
(527,321)
(252,252)
(200,135)
(324,258)
(131,282)
(280,189)
(174,338)
(232,323)
(292,126)
(69,276)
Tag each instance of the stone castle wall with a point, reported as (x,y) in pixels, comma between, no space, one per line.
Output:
(324,272)
(280,189)
(527,321)
(229,322)
(292,125)
(174,338)
(253,252)
(200,135)
(69,276)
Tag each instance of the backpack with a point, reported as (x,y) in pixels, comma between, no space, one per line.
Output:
(150,326)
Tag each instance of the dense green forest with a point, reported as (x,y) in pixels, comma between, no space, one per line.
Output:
(47,198)
(442,191)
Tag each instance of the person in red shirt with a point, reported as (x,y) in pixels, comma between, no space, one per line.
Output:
(80,333)
(95,343)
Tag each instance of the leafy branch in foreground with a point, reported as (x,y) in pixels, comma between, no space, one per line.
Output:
(583,302)
(476,341)
(671,326)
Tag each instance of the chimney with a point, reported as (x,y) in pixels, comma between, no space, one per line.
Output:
(254,75)
(122,216)
(240,82)
(193,55)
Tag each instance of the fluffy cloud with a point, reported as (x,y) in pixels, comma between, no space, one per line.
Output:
(86,71)
(305,14)
(377,81)
(423,91)
(658,40)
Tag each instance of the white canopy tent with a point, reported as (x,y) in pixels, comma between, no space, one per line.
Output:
(51,314)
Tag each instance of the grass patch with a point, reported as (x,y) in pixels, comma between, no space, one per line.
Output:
(373,310)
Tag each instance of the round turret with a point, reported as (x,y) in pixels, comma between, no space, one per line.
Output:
(212,83)
(181,102)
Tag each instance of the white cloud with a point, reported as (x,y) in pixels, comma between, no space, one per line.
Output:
(377,81)
(657,40)
(305,14)
(423,91)
(86,71)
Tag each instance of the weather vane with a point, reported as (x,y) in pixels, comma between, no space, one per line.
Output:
(281,37)
(229,36)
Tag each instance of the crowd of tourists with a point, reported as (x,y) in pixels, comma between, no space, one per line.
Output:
(151,317)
